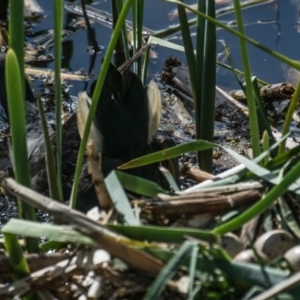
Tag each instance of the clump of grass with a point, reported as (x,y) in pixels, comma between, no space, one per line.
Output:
(221,276)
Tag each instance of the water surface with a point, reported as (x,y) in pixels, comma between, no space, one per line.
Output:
(274,24)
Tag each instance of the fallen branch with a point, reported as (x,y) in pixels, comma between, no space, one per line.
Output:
(198,204)
(113,243)
(34,261)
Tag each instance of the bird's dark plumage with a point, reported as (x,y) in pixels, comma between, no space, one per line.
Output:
(121,119)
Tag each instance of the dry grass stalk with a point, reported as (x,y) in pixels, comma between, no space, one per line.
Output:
(94,168)
(195,173)
(197,204)
(115,244)
(35,262)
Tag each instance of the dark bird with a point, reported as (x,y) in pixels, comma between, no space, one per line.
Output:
(124,127)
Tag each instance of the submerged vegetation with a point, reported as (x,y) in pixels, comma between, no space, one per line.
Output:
(233,236)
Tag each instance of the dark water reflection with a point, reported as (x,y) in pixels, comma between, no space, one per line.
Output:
(282,35)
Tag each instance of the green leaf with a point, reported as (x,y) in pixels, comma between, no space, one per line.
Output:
(15,96)
(241,170)
(289,116)
(206,81)
(253,119)
(163,234)
(170,270)
(240,274)
(262,116)
(139,185)
(119,198)
(198,145)
(262,172)
(16,257)
(58,25)
(192,270)
(54,232)
(262,205)
(288,216)
(167,174)
(293,63)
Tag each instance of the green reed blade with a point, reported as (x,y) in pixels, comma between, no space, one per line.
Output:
(262,205)
(289,116)
(265,146)
(14,76)
(58,22)
(193,22)
(293,63)
(261,113)
(189,48)
(170,269)
(206,81)
(137,24)
(122,50)
(253,120)
(198,145)
(16,257)
(49,155)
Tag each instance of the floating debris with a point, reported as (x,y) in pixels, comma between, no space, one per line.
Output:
(100,16)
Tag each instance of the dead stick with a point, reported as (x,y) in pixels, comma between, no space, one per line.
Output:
(35,262)
(206,204)
(105,238)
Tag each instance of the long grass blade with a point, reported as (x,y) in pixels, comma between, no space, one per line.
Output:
(164,234)
(164,33)
(293,63)
(289,116)
(192,271)
(58,22)
(49,156)
(253,120)
(16,257)
(137,22)
(240,274)
(206,81)
(122,50)
(52,232)
(189,48)
(14,76)
(15,96)
(169,153)
(261,206)
(119,198)
(262,116)
(170,270)
(140,185)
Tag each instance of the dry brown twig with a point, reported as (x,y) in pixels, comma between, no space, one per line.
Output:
(46,278)
(50,73)
(94,168)
(106,239)
(195,173)
(200,203)
(35,262)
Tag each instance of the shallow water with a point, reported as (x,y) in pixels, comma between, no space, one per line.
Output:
(274,24)
(281,35)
